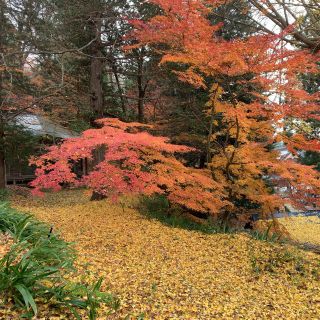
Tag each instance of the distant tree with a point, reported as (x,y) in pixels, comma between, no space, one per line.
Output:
(311,83)
(15,86)
(298,19)
(236,19)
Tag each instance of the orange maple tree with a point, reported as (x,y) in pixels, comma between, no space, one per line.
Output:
(241,76)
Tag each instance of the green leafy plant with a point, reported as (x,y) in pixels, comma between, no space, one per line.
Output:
(266,235)
(36,266)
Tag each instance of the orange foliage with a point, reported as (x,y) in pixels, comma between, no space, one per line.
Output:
(239,156)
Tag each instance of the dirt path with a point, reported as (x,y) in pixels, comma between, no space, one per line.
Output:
(167,273)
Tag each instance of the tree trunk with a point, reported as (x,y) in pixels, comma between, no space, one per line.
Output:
(2,170)
(210,131)
(116,76)
(2,154)
(96,70)
(140,108)
(96,91)
(141,90)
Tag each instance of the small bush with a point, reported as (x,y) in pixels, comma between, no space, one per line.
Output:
(4,194)
(158,207)
(36,266)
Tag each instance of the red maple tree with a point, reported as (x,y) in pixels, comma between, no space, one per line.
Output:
(134,162)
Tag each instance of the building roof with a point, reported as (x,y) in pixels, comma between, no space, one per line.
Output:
(41,126)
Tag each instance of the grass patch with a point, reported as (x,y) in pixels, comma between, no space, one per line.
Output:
(266,235)
(276,259)
(36,266)
(158,207)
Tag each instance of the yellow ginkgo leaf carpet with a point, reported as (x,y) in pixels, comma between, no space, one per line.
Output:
(159,272)
(303,229)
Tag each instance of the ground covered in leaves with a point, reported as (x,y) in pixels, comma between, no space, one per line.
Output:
(303,229)
(159,272)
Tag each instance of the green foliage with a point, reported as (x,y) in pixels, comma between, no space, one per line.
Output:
(18,145)
(22,273)
(141,316)
(311,81)
(311,158)
(36,266)
(281,259)
(158,207)
(4,194)
(265,235)
(79,125)
(236,18)
(79,296)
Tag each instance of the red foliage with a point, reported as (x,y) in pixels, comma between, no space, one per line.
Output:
(134,162)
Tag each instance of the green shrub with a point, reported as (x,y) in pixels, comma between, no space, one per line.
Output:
(158,207)
(36,266)
(4,194)
(266,235)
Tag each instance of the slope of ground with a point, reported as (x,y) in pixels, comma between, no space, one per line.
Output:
(160,272)
(303,229)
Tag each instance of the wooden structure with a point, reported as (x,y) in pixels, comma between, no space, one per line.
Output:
(38,125)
